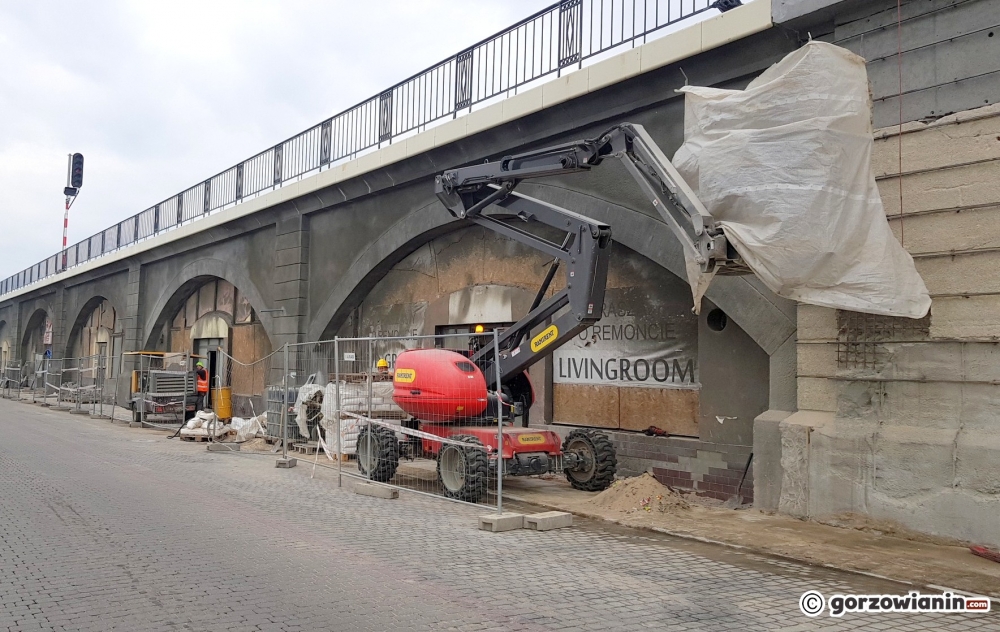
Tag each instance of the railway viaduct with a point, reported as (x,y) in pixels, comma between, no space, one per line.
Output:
(360,245)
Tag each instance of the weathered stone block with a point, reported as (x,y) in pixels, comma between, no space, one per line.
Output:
(767,471)
(817,394)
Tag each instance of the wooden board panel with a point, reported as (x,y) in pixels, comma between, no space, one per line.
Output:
(674,410)
(585,405)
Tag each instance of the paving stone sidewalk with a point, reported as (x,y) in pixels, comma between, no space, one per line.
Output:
(103,527)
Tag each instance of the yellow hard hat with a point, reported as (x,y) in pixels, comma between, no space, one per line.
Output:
(479,329)
(382,364)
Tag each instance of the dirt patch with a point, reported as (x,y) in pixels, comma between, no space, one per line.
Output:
(255,445)
(640,494)
(874,526)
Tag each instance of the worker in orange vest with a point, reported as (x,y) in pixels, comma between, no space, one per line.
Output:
(202,383)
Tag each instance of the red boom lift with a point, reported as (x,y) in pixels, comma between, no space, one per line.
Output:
(453,395)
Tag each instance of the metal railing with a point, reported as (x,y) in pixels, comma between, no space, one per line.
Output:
(543,45)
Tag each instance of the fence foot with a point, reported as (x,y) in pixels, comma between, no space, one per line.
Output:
(548,520)
(285,463)
(505,522)
(376,491)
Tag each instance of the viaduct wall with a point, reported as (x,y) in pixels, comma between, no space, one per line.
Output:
(893,427)
(896,418)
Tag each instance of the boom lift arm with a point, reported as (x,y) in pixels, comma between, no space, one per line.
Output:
(467,191)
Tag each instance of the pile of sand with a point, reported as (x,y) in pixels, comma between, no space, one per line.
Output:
(640,494)
(255,445)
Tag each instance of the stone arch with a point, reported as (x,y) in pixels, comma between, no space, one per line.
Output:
(767,319)
(5,348)
(32,341)
(189,280)
(80,322)
(764,317)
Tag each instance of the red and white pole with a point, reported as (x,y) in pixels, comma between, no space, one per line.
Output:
(66,224)
(69,178)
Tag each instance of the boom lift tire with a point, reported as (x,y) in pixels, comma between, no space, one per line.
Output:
(378,453)
(463,471)
(599,462)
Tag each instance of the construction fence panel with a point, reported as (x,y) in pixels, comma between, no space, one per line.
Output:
(166,388)
(53,382)
(336,400)
(240,394)
(12,380)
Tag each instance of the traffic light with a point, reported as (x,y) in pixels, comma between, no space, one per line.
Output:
(76,171)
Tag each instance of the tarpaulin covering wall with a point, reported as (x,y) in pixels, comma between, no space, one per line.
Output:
(785,166)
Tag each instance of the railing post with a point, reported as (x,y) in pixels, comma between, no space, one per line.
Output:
(385,116)
(208,197)
(156,219)
(463,79)
(325,142)
(570,32)
(180,208)
(279,151)
(239,181)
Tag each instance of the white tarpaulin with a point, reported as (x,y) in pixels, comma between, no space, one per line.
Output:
(785,166)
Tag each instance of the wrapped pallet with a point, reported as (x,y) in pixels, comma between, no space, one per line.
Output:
(354,400)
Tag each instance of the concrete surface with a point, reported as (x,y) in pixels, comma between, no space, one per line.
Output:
(376,491)
(499,523)
(852,543)
(548,520)
(910,435)
(106,528)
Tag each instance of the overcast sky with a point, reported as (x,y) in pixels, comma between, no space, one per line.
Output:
(160,95)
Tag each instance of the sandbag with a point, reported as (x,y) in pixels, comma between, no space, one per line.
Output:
(785,167)
(247,429)
(307,393)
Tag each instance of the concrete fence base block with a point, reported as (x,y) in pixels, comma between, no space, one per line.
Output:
(376,491)
(223,447)
(286,463)
(502,522)
(135,424)
(548,520)
(61,408)
(79,412)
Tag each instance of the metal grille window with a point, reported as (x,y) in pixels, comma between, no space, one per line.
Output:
(861,337)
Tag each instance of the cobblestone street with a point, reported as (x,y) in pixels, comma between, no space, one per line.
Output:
(109,528)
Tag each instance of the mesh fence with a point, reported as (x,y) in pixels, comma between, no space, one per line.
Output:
(336,402)
(11,380)
(163,389)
